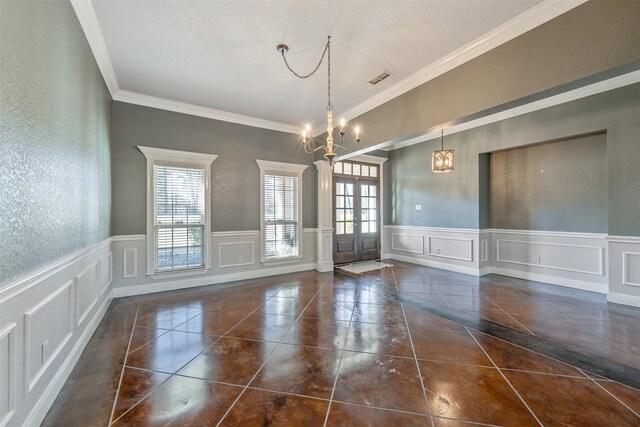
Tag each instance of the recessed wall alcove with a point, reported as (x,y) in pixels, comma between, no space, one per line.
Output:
(559,185)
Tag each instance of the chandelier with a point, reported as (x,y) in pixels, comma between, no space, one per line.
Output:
(330,147)
(442,160)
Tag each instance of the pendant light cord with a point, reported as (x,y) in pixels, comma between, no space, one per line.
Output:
(326,51)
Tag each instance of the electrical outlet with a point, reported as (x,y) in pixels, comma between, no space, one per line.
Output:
(239,259)
(537,260)
(419,207)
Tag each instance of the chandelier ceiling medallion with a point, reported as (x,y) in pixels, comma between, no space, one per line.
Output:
(330,147)
(442,160)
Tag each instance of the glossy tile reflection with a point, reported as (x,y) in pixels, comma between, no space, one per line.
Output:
(310,349)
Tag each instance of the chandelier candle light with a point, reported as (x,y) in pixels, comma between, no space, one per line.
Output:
(442,160)
(330,147)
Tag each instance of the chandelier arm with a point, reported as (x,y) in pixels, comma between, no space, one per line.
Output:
(306,76)
(308,150)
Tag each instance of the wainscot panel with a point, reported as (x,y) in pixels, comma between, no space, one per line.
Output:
(46,320)
(624,270)
(235,255)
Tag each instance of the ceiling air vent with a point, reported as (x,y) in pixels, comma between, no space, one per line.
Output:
(379,78)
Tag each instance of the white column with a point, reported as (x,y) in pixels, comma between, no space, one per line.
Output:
(325,217)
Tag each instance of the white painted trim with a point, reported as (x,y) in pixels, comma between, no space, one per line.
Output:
(551,101)
(435,264)
(310,230)
(178,273)
(76,284)
(625,299)
(279,167)
(235,233)
(625,277)
(182,159)
(433,229)
(221,244)
(600,249)
(30,383)
(128,237)
(470,259)
(393,247)
(208,280)
(565,234)
(288,169)
(9,331)
(511,29)
(125,264)
(89,22)
(42,406)
(484,250)
(624,239)
(21,284)
(177,156)
(554,280)
(201,111)
(367,158)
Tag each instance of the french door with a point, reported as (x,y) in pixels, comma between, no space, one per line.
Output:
(356,219)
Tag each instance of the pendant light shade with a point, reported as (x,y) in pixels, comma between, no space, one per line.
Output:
(442,160)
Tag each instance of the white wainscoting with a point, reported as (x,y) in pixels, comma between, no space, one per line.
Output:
(448,248)
(7,373)
(577,260)
(235,256)
(624,270)
(451,247)
(46,320)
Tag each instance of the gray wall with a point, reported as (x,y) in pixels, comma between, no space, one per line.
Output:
(452,200)
(235,197)
(594,37)
(559,186)
(55,121)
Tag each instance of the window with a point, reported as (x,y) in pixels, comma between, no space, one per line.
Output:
(178,211)
(179,217)
(281,210)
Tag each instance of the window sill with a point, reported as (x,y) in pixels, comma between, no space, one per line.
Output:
(278,261)
(181,273)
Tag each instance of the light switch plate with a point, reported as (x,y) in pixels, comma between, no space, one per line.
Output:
(419,207)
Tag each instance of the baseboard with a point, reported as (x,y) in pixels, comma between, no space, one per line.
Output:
(623,299)
(435,264)
(553,280)
(208,280)
(324,266)
(50,393)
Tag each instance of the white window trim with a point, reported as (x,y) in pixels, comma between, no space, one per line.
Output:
(183,159)
(279,168)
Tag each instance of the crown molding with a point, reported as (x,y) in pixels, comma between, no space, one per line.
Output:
(266,165)
(195,110)
(517,26)
(526,21)
(522,106)
(166,155)
(89,22)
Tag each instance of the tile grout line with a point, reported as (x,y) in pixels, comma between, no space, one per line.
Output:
(344,344)
(190,360)
(124,364)
(608,392)
(270,353)
(415,357)
(505,378)
(510,316)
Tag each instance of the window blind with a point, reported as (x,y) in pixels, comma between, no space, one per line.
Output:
(179,217)
(281,216)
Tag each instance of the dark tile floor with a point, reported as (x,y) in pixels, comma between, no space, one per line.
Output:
(317,349)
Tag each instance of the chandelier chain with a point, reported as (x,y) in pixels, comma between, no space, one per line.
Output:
(327,50)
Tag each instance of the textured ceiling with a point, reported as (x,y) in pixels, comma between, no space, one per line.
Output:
(221,54)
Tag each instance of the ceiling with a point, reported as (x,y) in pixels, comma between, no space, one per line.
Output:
(222,54)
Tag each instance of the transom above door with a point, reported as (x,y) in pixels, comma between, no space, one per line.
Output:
(356,213)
